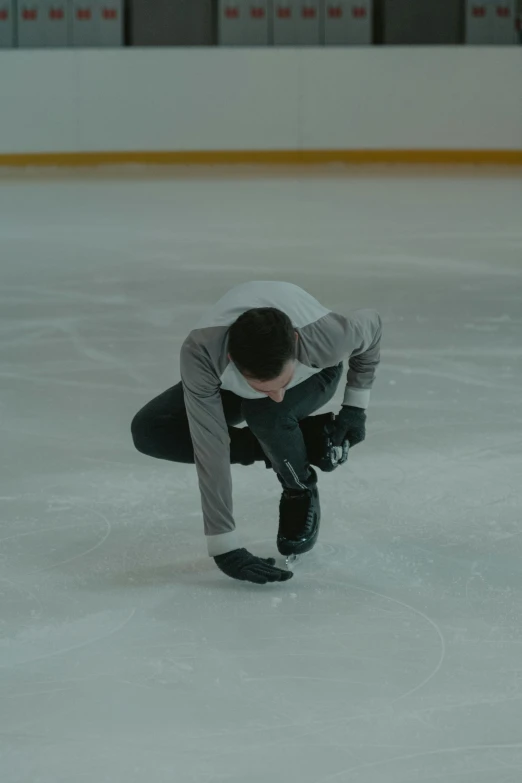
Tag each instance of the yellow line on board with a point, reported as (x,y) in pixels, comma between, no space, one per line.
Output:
(267,157)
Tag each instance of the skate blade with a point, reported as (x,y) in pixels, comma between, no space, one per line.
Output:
(292,560)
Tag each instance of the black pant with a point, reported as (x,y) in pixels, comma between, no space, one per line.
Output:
(161,428)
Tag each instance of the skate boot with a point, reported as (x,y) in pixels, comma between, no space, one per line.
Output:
(317,437)
(299,518)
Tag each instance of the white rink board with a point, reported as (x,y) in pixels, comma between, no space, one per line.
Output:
(218,98)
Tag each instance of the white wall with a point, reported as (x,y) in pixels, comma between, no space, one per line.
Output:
(225,99)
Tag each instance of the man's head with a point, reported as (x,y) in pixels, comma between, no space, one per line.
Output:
(262,343)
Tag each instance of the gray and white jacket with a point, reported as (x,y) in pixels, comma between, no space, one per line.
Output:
(325,339)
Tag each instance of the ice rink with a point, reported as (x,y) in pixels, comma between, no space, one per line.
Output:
(395,653)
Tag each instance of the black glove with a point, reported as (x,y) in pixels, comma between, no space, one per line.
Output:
(240,564)
(318,437)
(349,425)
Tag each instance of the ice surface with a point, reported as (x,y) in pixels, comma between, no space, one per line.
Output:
(394,655)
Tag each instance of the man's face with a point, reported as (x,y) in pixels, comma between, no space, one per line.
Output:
(276,388)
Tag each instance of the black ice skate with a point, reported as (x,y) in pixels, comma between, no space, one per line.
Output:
(299,518)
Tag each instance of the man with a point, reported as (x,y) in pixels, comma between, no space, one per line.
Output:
(269,354)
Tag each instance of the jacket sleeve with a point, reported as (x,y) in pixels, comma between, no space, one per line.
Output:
(356,337)
(364,329)
(211,441)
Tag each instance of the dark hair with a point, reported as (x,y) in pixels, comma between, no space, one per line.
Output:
(261,342)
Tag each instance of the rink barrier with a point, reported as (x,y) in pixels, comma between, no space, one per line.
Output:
(264,157)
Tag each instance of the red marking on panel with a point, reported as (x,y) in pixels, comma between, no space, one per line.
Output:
(309,12)
(84,14)
(335,11)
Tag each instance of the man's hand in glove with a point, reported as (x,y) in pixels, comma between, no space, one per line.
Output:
(240,564)
(349,425)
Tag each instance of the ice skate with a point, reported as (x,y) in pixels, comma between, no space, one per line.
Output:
(299,519)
